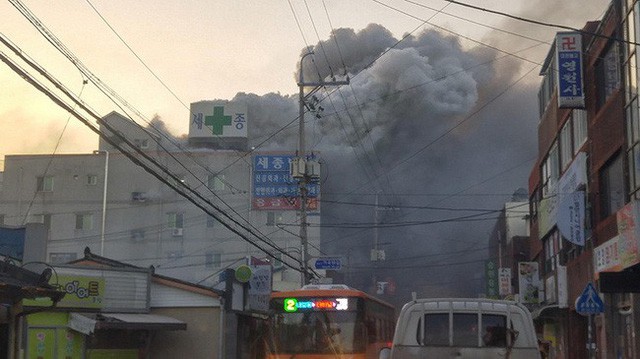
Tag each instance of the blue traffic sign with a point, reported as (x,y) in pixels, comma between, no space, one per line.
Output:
(328,263)
(589,302)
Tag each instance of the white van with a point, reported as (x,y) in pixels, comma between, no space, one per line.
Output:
(463,329)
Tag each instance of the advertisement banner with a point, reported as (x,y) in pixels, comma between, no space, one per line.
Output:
(549,211)
(529,282)
(275,189)
(571,215)
(505,281)
(259,291)
(628,231)
(569,67)
(563,289)
(606,257)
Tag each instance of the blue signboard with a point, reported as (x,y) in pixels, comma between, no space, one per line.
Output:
(328,263)
(570,81)
(12,242)
(589,302)
(271,163)
(272,180)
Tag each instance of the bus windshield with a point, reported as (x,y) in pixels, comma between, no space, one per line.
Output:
(316,332)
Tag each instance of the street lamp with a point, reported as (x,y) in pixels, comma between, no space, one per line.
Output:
(104,198)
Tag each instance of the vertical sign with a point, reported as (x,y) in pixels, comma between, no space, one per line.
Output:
(529,282)
(491,275)
(570,81)
(504,278)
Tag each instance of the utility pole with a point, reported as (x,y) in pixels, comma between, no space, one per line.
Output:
(303,170)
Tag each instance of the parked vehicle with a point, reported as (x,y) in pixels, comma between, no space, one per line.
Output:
(463,329)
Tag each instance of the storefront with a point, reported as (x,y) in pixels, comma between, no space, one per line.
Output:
(104,314)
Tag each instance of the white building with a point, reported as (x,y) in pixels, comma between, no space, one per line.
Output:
(106,202)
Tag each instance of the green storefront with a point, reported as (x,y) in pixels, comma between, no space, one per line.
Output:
(98,318)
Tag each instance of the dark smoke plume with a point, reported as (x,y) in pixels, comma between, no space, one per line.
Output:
(425,125)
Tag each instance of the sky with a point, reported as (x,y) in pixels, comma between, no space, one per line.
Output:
(205,50)
(443,124)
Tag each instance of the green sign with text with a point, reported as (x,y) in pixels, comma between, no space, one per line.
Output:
(81,292)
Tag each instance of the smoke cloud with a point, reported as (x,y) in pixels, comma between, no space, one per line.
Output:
(427,124)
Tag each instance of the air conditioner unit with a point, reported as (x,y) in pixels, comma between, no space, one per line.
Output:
(137,235)
(177,232)
(138,196)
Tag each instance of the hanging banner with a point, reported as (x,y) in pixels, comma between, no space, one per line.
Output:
(529,282)
(504,281)
(569,62)
(571,214)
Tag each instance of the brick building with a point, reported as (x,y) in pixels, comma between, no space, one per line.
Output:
(589,153)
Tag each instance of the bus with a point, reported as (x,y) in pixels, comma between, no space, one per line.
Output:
(328,321)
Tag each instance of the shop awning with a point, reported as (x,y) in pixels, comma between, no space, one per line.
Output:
(89,322)
(547,311)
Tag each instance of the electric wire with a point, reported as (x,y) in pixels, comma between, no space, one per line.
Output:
(58,45)
(16,68)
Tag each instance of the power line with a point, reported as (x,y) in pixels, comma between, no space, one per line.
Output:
(25,75)
(541,23)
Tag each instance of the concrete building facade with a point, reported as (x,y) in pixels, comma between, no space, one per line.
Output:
(104,201)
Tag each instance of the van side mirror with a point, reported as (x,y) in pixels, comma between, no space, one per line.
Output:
(385,353)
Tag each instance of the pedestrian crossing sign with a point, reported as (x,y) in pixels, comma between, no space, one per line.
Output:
(589,302)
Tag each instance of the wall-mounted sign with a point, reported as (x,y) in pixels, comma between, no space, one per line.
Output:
(215,119)
(569,66)
(81,292)
(275,189)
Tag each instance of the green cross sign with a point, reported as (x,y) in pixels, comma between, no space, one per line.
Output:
(217,121)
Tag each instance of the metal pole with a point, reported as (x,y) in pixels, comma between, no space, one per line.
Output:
(301,156)
(590,337)
(303,180)
(104,201)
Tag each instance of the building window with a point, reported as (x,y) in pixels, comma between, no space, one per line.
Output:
(579,129)
(137,235)
(174,255)
(552,250)
(84,221)
(213,260)
(566,145)
(44,219)
(216,182)
(612,196)
(142,144)
(62,257)
(45,184)
(92,180)
(274,218)
(607,74)
(548,85)
(550,171)
(175,220)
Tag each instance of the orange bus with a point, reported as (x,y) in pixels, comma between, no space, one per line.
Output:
(328,321)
